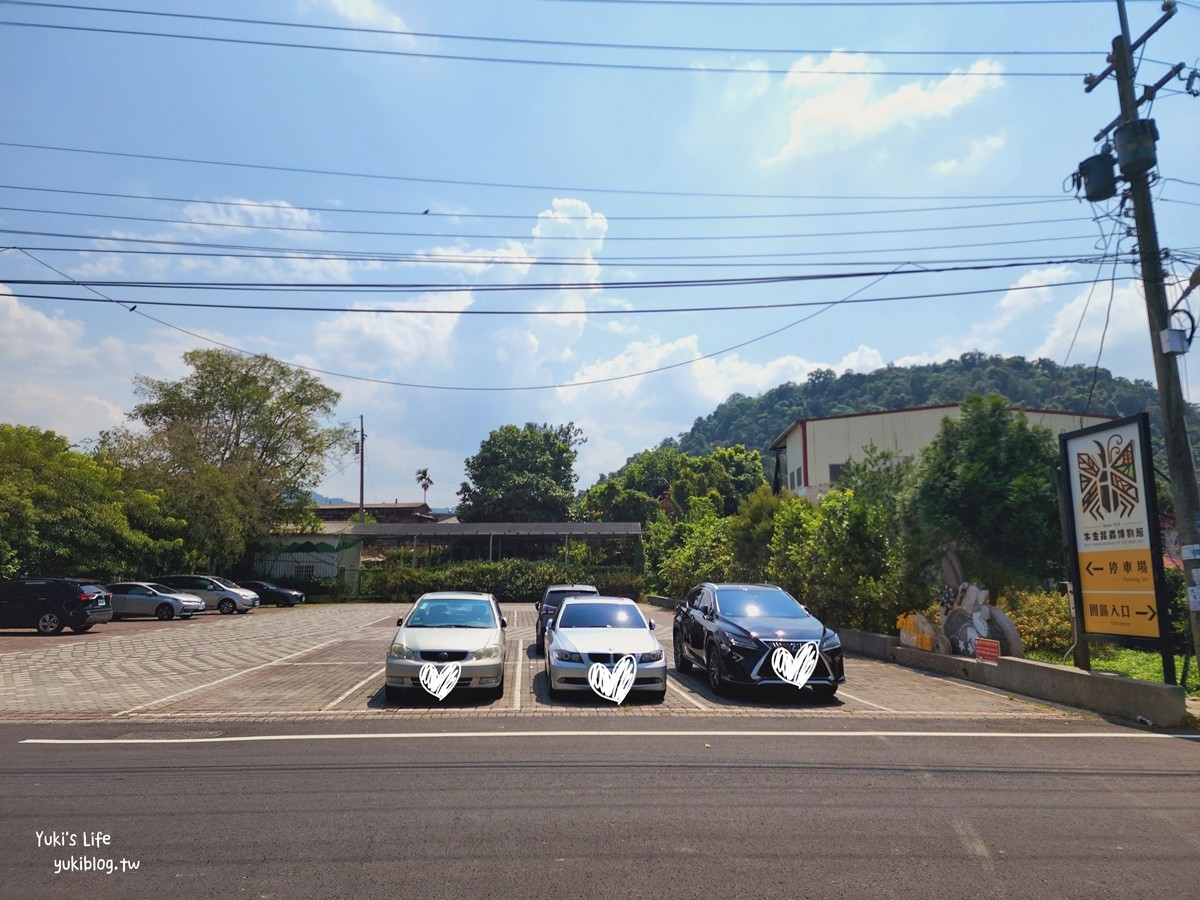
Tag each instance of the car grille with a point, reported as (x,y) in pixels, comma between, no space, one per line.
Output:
(767,671)
(444,655)
(608,658)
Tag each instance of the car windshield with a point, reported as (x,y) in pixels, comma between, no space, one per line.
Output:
(601,615)
(451,614)
(161,588)
(224,582)
(265,585)
(741,603)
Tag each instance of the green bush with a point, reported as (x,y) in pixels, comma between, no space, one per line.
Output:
(1043,619)
(510,580)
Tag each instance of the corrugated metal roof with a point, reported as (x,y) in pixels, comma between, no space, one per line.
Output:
(485,529)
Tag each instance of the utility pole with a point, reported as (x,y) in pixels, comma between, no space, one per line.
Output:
(362,467)
(1135,139)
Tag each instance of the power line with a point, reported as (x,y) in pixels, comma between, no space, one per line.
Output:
(556,63)
(518,186)
(551,313)
(524,237)
(250,204)
(541,42)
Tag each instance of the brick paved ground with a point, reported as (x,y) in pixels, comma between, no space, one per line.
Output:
(320,662)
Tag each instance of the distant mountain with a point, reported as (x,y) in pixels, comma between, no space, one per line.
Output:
(321,498)
(1041,384)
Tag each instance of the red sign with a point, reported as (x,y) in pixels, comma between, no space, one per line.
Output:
(986,648)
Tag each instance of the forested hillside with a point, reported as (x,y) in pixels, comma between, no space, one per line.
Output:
(1041,384)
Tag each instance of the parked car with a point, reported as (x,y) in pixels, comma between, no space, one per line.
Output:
(461,627)
(548,605)
(143,598)
(217,593)
(273,593)
(595,629)
(52,604)
(731,630)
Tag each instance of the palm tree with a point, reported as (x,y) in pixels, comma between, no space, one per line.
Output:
(426,483)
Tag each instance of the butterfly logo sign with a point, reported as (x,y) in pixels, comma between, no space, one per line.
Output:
(613,684)
(440,682)
(795,668)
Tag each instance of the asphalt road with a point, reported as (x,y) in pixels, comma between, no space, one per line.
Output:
(601,807)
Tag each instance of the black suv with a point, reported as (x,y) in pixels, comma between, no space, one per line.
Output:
(52,604)
(732,630)
(548,605)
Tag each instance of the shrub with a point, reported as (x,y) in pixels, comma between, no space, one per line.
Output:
(1043,619)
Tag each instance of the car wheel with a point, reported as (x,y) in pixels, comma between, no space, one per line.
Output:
(540,643)
(716,670)
(50,623)
(164,612)
(81,629)
(242,612)
(824,691)
(659,697)
(682,663)
(226,606)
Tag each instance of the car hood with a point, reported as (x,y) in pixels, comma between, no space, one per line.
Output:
(470,639)
(184,597)
(605,640)
(776,629)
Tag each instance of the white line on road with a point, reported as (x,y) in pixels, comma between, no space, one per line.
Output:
(677,689)
(868,702)
(422,735)
(201,687)
(520,660)
(371,677)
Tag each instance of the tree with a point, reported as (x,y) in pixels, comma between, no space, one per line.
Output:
(63,512)
(522,475)
(986,486)
(237,447)
(426,483)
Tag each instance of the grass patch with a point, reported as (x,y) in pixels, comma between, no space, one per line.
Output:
(1140,664)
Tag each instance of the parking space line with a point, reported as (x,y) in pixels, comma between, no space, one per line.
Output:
(687,696)
(200,687)
(520,658)
(371,677)
(867,702)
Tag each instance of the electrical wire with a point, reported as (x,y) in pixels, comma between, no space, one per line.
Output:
(557,63)
(635,192)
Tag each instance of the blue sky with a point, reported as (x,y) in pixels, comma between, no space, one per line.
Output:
(866,147)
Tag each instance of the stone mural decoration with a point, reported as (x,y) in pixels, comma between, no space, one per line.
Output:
(966,615)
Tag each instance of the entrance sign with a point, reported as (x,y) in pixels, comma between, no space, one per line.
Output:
(1112,524)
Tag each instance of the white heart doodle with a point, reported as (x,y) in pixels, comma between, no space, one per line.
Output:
(615,683)
(795,669)
(440,682)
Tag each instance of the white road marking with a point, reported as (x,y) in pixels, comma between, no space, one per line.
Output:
(867,702)
(380,671)
(687,696)
(201,687)
(520,660)
(424,735)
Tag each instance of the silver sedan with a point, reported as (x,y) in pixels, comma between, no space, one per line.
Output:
(450,640)
(145,598)
(587,631)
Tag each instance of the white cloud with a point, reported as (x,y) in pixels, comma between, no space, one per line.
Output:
(366,14)
(1082,324)
(1032,290)
(979,152)
(829,113)
(409,342)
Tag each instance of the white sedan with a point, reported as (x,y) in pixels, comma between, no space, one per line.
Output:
(590,631)
(144,598)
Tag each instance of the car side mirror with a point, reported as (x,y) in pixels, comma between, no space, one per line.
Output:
(653,624)
(503,622)
(400,621)
(537,604)
(550,625)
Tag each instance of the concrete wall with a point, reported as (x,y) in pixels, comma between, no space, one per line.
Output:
(1162,705)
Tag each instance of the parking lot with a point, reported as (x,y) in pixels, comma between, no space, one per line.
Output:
(326,662)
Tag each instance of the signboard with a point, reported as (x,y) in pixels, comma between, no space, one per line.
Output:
(986,648)
(1114,519)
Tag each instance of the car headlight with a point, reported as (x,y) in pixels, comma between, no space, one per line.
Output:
(400,651)
(736,640)
(652,656)
(830,640)
(567,656)
(491,651)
